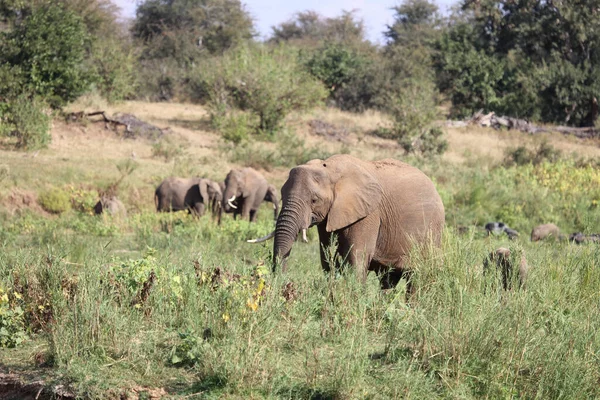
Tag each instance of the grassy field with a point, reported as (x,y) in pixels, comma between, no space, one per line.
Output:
(152,306)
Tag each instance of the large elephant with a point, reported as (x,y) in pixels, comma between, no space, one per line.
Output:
(379,211)
(178,194)
(245,190)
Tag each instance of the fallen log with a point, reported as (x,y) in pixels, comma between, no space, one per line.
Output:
(133,126)
(498,122)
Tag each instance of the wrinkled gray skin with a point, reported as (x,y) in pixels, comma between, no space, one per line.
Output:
(179,194)
(379,211)
(502,260)
(110,205)
(249,189)
(215,198)
(545,231)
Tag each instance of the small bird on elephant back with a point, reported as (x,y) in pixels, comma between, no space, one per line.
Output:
(378,210)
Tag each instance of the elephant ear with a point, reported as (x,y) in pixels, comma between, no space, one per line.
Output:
(356,194)
(203,187)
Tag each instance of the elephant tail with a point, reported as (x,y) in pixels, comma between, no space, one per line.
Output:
(156,201)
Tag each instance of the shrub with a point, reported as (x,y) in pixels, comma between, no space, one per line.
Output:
(235,128)
(12,321)
(49,47)
(414,110)
(113,68)
(167,148)
(55,200)
(522,156)
(27,122)
(268,83)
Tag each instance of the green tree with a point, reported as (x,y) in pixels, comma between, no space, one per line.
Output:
(542,59)
(308,28)
(48,49)
(267,83)
(184,29)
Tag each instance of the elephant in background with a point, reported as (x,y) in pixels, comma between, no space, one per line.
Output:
(501,260)
(110,205)
(178,194)
(245,190)
(378,211)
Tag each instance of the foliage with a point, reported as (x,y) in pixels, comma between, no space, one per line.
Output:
(167,148)
(521,155)
(520,60)
(12,321)
(414,112)
(82,200)
(55,200)
(308,28)
(113,67)
(268,83)
(49,48)
(290,150)
(26,120)
(334,65)
(184,30)
(234,127)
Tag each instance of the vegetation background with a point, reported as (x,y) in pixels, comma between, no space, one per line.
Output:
(150,306)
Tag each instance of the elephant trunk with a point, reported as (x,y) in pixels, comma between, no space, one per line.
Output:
(287,228)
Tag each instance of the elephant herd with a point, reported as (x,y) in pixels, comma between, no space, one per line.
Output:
(378,213)
(241,193)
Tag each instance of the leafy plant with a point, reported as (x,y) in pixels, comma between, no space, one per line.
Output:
(26,120)
(49,46)
(12,322)
(268,83)
(55,200)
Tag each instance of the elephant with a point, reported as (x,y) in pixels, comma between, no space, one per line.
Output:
(191,194)
(501,257)
(244,191)
(378,210)
(110,205)
(546,231)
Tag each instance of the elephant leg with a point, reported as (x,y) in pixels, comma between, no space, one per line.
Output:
(198,209)
(358,243)
(252,215)
(324,243)
(246,206)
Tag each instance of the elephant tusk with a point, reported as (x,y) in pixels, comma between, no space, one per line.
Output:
(262,239)
(304,238)
(229,201)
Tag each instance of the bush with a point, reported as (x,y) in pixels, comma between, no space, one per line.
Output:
(49,47)
(12,321)
(234,128)
(545,152)
(414,111)
(290,151)
(55,200)
(114,69)
(27,122)
(268,83)
(167,148)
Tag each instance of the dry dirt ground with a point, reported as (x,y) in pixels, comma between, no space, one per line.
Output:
(86,154)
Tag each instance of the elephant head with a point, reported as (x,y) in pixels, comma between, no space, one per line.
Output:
(235,187)
(332,194)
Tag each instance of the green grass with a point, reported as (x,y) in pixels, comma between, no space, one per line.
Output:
(79,280)
(336,339)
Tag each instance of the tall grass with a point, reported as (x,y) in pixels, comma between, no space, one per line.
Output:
(331,338)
